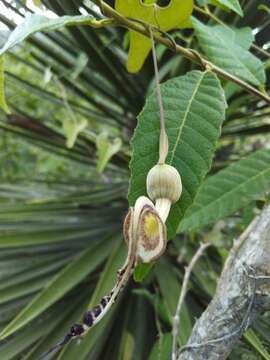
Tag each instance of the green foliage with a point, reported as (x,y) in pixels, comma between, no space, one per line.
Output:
(229,190)
(224,46)
(60,222)
(106,149)
(191,117)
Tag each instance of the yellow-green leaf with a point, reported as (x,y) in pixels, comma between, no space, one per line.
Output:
(106,149)
(72,129)
(3,104)
(37,3)
(165,18)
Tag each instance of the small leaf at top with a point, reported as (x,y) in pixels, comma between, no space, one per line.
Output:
(106,149)
(165,18)
(194,107)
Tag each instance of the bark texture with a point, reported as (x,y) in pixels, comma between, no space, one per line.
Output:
(243,293)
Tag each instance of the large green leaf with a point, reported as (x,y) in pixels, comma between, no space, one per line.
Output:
(229,190)
(60,285)
(194,107)
(35,23)
(224,47)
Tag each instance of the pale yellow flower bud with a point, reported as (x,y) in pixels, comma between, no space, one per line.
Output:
(164,182)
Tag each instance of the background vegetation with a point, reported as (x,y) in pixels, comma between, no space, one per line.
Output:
(73,112)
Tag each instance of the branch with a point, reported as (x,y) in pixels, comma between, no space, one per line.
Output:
(176,319)
(188,53)
(243,294)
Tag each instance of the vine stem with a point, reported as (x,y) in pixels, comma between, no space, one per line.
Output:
(188,53)
(184,289)
(163,138)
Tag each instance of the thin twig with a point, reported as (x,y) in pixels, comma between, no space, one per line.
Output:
(189,54)
(163,138)
(176,319)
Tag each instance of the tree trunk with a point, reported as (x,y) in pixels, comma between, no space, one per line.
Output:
(243,293)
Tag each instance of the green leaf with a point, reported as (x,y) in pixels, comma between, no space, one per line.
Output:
(141,271)
(194,107)
(162,348)
(80,65)
(229,190)
(155,301)
(3,104)
(170,288)
(72,129)
(60,285)
(172,16)
(127,346)
(30,334)
(230,4)
(37,3)
(35,23)
(223,47)
(67,316)
(243,37)
(256,343)
(106,149)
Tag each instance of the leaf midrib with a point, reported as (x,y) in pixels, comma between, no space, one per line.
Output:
(185,116)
